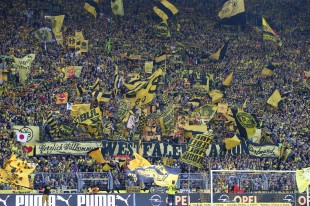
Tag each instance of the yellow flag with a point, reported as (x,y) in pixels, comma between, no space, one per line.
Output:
(227,81)
(59,38)
(20,179)
(231,142)
(216,96)
(303,179)
(72,71)
(267,28)
(244,104)
(78,109)
(106,167)
(222,108)
(117,7)
(274,99)
(145,93)
(57,22)
(148,67)
(161,58)
(84,45)
(229,118)
(97,154)
(8,162)
(71,41)
(5,176)
(139,161)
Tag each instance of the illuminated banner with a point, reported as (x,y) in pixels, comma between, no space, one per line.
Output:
(65,147)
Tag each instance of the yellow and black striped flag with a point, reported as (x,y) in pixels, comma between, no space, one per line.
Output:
(97,154)
(103,96)
(220,54)
(80,90)
(53,124)
(96,85)
(268,70)
(165,10)
(92,7)
(145,93)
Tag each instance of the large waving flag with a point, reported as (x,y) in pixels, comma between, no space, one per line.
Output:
(165,10)
(144,93)
(139,161)
(97,154)
(233,12)
(57,22)
(269,33)
(246,123)
(159,174)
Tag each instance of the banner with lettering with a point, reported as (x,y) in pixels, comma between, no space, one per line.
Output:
(24,62)
(196,150)
(153,149)
(66,147)
(24,197)
(92,117)
(166,119)
(264,150)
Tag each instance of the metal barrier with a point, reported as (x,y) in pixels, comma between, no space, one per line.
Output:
(187,182)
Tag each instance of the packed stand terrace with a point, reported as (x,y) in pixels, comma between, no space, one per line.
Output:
(134,33)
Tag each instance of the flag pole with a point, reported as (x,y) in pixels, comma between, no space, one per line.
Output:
(308,202)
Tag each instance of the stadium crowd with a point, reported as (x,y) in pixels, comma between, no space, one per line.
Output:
(134,33)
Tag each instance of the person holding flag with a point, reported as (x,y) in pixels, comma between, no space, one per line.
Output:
(172,189)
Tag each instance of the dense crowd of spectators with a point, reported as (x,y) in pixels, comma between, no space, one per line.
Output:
(135,34)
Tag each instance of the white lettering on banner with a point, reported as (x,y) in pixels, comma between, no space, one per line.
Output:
(181,200)
(33,200)
(302,200)
(246,199)
(95,200)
